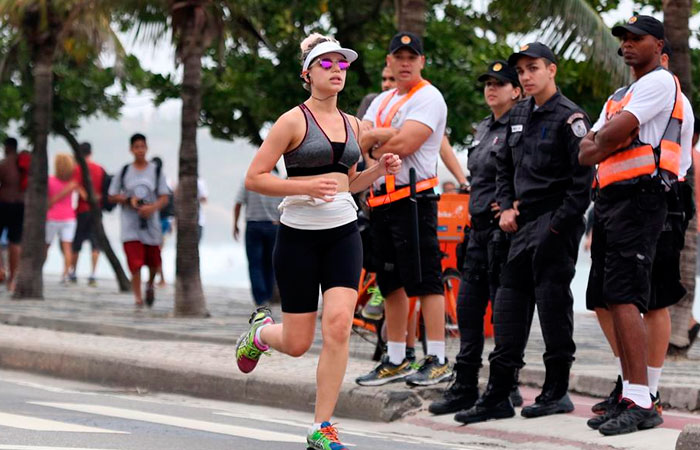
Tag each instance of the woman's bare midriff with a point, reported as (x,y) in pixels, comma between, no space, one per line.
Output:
(342,179)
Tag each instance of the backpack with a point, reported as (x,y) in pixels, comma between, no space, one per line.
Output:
(24,161)
(106,181)
(169,209)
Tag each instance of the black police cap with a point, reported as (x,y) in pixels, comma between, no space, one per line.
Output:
(406,39)
(640,25)
(500,70)
(533,50)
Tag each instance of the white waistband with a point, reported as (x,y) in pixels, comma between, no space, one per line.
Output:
(308,213)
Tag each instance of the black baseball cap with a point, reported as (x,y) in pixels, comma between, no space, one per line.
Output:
(500,70)
(406,39)
(533,50)
(640,25)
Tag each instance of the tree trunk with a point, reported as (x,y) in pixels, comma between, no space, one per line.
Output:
(189,297)
(676,28)
(29,278)
(96,213)
(410,16)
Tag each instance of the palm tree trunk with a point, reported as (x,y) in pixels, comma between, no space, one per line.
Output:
(410,15)
(676,28)
(96,212)
(29,278)
(189,297)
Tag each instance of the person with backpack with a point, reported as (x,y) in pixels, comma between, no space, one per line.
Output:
(85,229)
(141,191)
(13,182)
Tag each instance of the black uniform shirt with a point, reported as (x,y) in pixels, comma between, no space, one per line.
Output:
(539,166)
(489,140)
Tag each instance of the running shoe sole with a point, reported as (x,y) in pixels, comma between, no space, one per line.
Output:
(431,382)
(645,425)
(383,381)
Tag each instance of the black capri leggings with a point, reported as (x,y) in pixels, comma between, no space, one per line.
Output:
(305,259)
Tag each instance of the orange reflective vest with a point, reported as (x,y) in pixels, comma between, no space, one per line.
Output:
(639,158)
(392,194)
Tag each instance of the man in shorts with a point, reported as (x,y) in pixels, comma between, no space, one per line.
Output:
(85,229)
(417,112)
(11,205)
(141,190)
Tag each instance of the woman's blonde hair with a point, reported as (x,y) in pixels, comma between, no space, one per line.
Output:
(307,45)
(64,166)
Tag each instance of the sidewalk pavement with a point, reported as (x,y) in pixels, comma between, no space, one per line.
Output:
(154,350)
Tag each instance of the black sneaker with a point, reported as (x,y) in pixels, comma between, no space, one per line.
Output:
(630,419)
(430,372)
(457,397)
(613,399)
(545,406)
(611,413)
(482,411)
(516,397)
(385,373)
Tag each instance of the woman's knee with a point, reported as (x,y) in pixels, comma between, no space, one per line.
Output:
(337,328)
(297,348)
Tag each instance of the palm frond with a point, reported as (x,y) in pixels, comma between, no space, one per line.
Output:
(573,29)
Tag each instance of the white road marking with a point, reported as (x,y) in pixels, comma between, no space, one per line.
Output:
(34,447)
(36,424)
(199,425)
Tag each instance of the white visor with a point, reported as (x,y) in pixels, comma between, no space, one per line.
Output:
(328,47)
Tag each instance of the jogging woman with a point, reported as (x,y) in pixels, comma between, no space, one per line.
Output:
(318,242)
(487,245)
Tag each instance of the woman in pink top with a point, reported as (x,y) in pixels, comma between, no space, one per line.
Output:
(60,217)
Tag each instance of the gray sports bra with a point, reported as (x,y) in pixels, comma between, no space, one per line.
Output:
(316,154)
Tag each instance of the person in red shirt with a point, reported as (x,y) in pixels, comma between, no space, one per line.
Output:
(85,229)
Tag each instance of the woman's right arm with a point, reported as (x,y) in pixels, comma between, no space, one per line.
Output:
(279,139)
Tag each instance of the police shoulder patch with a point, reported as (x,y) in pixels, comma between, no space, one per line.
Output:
(574,117)
(579,128)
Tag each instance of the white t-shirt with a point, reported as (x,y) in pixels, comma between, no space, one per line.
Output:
(426,106)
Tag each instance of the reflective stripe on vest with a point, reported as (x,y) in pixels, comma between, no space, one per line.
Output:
(390,180)
(398,194)
(640,159)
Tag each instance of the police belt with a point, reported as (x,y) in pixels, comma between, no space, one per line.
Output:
(382,197)
(534,210)
(483,221)
(619,191)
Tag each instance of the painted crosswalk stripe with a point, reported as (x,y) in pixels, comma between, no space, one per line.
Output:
(198,425)
(35,447)
(36,424)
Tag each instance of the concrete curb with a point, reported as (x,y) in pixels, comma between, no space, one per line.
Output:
(689,439)
(385,404)
(679,397)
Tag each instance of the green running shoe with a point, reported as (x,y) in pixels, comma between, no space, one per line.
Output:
(325,438)
(374,309)
(248,348)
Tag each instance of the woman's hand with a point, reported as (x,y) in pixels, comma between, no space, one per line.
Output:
(323,188)
(389,164)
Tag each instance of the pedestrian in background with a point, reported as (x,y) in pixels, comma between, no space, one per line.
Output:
(13,176)
(262,218)
(60,216)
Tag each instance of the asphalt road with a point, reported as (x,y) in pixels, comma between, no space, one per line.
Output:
(41,413)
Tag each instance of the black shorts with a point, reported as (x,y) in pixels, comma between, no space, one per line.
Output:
(305,259)
(12,218)
(85,231)
(626,227)
(393,247)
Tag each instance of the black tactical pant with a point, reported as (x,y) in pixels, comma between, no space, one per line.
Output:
(539,270)
(487,250)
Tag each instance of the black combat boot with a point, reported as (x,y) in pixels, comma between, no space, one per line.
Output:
(515,397)
(554,398)
(459,395)
(495,402)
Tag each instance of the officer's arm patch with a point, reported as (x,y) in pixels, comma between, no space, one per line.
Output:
(578,124)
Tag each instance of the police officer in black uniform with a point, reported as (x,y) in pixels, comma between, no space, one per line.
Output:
(543,193)
(486,244)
